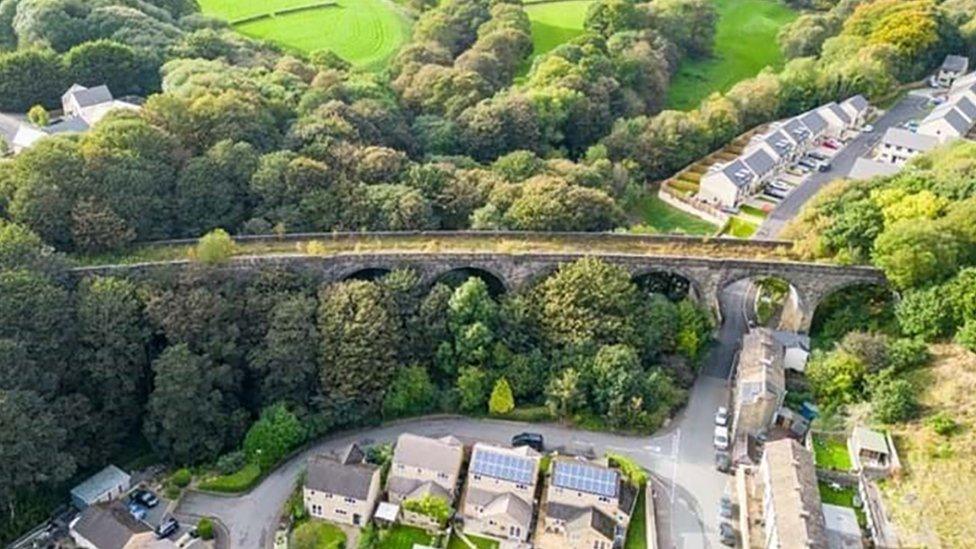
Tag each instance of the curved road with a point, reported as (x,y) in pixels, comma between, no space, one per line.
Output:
(680,456)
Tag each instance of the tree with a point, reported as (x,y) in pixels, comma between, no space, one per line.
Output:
(286,361)
(30,77)
(214,247)
(892,399)
(472,385)
(502,401)
(125,70)
(836,377)
(272,436)
(435,507)
(213,190)
(39,314)
(688,23)
(913,252)
(564,394)
(188,418)
(359,342)
(411,393)
(38,116)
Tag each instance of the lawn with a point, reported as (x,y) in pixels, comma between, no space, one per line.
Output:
(650,211)
(844,497)
(240,481)
(637,530)
(745,43)
(364,32)
(554,23)
(740,228)
(831,453)
(315,534)
(481,543)
(405,537)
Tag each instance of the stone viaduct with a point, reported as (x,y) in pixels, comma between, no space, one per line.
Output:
(707,277)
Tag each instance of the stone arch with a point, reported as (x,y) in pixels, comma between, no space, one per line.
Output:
(673,283)
(455,277)
(884,292)
(796,311)
(366,273)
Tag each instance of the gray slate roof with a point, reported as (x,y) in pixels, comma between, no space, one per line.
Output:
(738,173)
(814,122)
(87,97)
(899,137)
(779,142)
(510,505)
(596,519)
(955,63)
(327,474)
(108,526)
(858,102)
(101,482)
(443,455)
(351,454)
(966,107)
(760,162)
(839,112)
(796,129)
(957,121)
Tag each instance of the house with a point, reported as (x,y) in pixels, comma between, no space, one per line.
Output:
(843,531)
(424,466)
(728,185)
(815,123)
(499,497)
(837,119)
(946,123)
(761,164)
(857,108)
(81,108)
(952,68)
(760,386)
(114,526)
(792,516)
(104,486)
(588,504)
(872,451)
(796,349)
(798,132)
(778,145)
(869,168)
(900,145)
(342,488)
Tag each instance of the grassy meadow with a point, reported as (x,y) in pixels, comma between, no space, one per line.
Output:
(364,32)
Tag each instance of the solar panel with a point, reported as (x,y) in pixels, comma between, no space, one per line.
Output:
(585,478)
(503,466)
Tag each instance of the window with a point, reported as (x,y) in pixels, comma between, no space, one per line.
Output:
(442,475)
(477,477)
(341,512)
(350,500)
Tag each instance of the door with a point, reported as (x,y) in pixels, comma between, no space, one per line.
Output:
(356,519)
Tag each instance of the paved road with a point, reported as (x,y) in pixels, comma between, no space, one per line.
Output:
(680,456)
(911,106)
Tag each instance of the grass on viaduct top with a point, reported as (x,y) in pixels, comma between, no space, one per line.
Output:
(326,244)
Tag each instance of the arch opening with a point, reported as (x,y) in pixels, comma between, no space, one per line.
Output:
(865,306)
(670,284)
(456,277)
(369,274)
(767,301)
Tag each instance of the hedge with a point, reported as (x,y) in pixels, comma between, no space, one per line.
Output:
(236,482)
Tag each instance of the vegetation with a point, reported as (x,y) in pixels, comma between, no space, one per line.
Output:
(653,215)
(745,44)
(205,528)
(239,481)
(435,507)
(637,529)
(831,453)
(404,537)
(843,497)
(214,247)
(315,534)
(501,401)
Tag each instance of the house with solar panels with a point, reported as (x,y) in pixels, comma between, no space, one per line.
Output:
(499,498)
(587,504)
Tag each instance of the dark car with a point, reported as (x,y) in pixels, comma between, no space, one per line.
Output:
(723,462)
(167,528)
(726,534)
(532,440)
(725,507)
(144,498)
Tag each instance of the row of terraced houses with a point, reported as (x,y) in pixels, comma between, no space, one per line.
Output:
(505,494)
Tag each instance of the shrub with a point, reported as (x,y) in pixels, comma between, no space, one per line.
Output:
(214,247)
(630,469)
(411,393)
(236,482)
(893,400)
(431,506)
(907,353)
(181,478)
(966,336)
(38,116)
(229,463)
(501,401)
(943,424)
(272,436)
(205,528)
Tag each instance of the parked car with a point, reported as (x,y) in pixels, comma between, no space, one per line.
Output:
(780,186)
(725,507)
(144,497)
(726,534)
(723,462)
(775,193)
(167,528)
(721,438)
(532,440)
(817,156)
(722,416)
(832,143)
(868,128)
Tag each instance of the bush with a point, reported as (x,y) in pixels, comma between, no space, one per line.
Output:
(501,401)
(272,436)
(630,469)
(38,116)
(411,393)
(943,424)
(907,353)
(430,506)
(893,400)
(966,336)
(237,482)
(205,528)
(214,247)
(229,463)
(181,478)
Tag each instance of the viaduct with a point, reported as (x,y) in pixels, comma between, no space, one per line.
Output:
(707,277)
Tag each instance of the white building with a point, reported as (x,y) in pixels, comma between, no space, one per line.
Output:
(900,145)
(102,487)
(857,108)
(952,68)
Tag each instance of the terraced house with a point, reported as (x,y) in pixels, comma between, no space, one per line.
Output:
(422,467)
(587,504)
(499,498)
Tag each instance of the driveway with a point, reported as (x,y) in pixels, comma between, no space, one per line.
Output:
(680,457)
(911,106)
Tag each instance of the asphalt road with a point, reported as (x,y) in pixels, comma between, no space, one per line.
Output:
(909,107)
(680,457)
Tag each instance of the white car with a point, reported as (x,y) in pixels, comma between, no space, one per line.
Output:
(722,416)
(721,438)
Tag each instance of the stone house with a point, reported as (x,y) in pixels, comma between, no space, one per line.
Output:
(499,497)
(343,488)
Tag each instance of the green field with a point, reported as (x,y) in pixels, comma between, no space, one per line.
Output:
(364,32)
(745,43)
(652,212)
(555,22)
